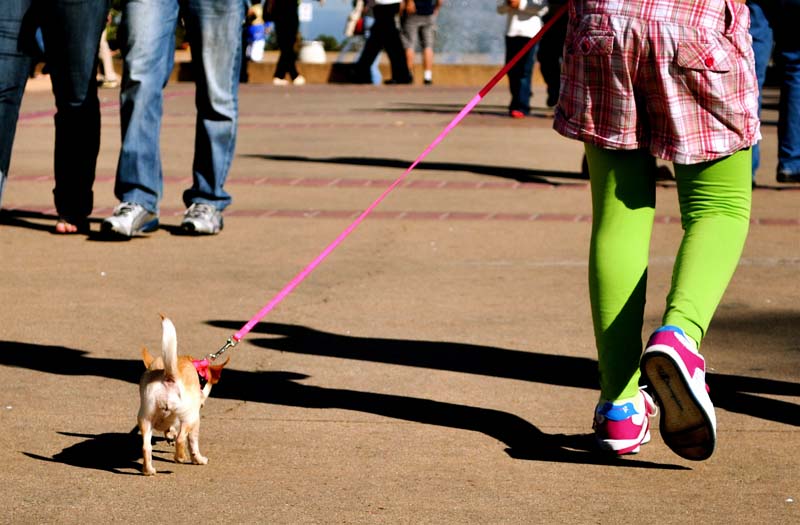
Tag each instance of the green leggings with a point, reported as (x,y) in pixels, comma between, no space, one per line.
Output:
(715,214)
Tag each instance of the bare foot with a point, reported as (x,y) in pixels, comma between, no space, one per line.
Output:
(65,227)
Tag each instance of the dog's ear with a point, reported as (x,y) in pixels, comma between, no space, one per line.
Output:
(147,357)
(216,371)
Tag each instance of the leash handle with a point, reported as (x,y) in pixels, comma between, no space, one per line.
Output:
(300,277)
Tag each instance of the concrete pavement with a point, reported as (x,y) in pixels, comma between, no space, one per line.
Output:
(438,367)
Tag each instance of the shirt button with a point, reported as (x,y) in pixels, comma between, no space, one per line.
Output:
(709,61)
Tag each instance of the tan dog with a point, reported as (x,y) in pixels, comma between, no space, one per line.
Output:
(172,391)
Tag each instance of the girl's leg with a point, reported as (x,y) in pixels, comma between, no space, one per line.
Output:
(715,213)
(623,208)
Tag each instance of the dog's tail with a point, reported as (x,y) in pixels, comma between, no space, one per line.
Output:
(169,348)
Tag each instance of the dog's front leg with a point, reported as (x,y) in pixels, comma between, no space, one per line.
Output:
(147,447)
(194,445)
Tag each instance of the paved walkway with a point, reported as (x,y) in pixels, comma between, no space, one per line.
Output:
(438,367)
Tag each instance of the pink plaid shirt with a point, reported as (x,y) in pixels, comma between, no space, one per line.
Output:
(676,77)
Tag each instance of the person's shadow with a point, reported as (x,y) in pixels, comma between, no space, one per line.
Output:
(739,394)
(118,452)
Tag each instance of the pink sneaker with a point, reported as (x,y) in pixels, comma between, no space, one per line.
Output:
(676,374)
(622,426)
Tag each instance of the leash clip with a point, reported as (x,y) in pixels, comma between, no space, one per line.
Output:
(230,343)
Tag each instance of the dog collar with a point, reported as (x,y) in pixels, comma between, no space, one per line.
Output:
(203,373)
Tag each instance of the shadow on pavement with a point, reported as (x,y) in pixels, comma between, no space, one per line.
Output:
(505,172)
(522,439)
(740,394)
(730,392)
(482,110)
(115,452)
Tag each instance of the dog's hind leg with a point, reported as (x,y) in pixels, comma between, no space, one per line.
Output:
(147,447)
(194,445)
(180,444)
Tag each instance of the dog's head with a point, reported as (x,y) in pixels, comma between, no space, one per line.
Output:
(208,374)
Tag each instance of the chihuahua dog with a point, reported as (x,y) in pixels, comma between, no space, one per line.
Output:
(172,391)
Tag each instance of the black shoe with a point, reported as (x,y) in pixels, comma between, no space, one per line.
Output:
(785,176)
(353,74)
(392,81)
(427,82)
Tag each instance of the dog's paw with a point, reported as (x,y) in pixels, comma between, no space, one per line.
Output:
(148,471)
(199,460)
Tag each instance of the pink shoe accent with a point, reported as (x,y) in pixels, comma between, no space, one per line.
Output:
(676,375)
(692,360)
(622,435)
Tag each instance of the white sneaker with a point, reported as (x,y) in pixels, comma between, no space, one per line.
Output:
(129,219)
(202,219)
(279,81)
(299,80)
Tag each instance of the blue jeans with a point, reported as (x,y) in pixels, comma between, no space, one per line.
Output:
(778,21)
(519,76)
(71,30)
(147,38)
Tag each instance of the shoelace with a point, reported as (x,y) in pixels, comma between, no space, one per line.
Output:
(124,209)
(198,211)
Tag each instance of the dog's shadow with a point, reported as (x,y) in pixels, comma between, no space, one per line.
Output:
(115,452)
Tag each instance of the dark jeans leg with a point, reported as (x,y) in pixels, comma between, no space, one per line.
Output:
(551,48)
(72,30)
(394,44)
(286,33)
(761,32)
(519,76)
(788,55)
(16,41)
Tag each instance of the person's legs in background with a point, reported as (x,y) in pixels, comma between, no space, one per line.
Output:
(427,34)
(551,48)
(761,32)
(286,27)
(375,70)
(519,76)
(72,32)
(787,44)
(213,26)
(147,40)
(110,78)
(370,54)
(386,23)
(17,46)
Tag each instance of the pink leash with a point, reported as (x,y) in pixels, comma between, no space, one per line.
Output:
(300,277)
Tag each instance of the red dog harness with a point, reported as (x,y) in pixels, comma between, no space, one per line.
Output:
(203,372)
